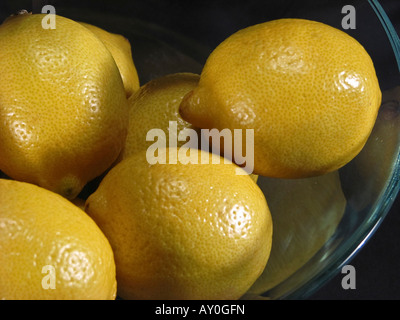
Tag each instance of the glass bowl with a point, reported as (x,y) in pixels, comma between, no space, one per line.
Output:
(319,223)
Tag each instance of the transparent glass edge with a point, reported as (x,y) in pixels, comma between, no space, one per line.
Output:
(389,29)
(360,238)
(321,278)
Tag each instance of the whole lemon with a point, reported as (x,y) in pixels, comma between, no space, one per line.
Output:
(154,106)
(50,249)
(308,90)
(63,106)
(121,50)
(183,231)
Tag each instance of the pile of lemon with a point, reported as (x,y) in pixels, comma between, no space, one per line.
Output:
(72,110)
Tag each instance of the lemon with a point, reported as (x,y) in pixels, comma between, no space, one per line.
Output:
(50,249)
(154,106)
(183,231)
(121,50)
(308,90)
(62,104)
(306,213)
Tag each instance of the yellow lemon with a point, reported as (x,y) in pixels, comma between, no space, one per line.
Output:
(50,249)
(183,231)
(306,213)
(121,50)
(62,104)
(308,90)
(154,106)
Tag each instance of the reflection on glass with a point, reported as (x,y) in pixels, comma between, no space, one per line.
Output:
(305,214)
